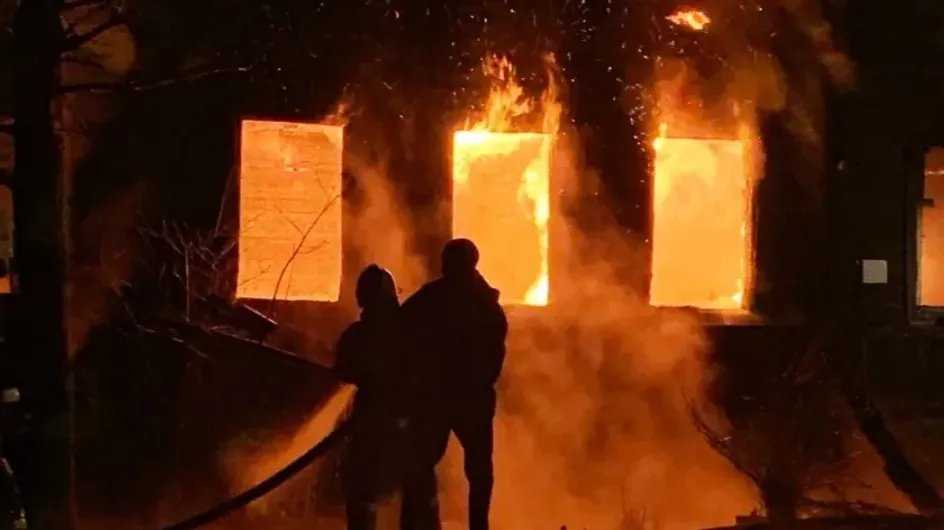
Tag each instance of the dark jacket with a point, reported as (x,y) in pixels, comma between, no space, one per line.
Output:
(371,355)
(458,330)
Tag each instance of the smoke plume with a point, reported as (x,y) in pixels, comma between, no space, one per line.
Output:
(593,429)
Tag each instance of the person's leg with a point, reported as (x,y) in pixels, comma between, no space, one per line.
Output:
(361,512)
(428,437)
(473,427)
(362,471)
(359,503)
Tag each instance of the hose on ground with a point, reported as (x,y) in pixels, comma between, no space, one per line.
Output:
(230,505)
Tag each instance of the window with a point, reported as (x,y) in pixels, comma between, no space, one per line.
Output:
(501,201)
(931,242)
(701,205)
(290,211)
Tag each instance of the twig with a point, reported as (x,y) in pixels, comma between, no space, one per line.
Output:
(187,282)
(75,4)
(230,179)
(298,248)
(848,508)
(90,62)
(135,86)
(718,443)
(77,40)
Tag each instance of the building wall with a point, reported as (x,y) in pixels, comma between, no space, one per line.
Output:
(882,132)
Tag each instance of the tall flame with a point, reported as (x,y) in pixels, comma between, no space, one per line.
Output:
(497,136)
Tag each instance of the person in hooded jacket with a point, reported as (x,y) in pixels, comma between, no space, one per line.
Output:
(458,331)
(370,355)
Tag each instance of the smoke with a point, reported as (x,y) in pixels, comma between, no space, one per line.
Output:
(101,257)
(593,428)
(769,58)
(102,260)
(246,461)
(379,228)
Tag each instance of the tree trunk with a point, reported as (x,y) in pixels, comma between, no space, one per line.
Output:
(37,335)
(781,497)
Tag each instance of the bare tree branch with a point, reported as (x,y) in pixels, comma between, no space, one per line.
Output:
(77,40)
(194,74)
(298,248)
(83,60)
(75,4)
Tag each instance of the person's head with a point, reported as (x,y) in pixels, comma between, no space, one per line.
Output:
(376,288)
(460,257)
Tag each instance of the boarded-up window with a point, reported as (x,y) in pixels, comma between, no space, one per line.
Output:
(290,211)
(501,201)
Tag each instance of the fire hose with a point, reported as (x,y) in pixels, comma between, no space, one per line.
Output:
(230,505)
(280,477)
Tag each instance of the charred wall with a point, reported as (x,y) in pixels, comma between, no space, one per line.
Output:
(881,131)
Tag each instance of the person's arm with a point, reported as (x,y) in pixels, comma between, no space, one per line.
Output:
(498,333)
(346,361)
(416,331)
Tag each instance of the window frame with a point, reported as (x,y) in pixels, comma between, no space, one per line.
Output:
(918,313)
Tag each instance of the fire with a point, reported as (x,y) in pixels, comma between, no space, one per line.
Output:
(931,242)
(290,211)
(701,200)
(501,186)
(690,18)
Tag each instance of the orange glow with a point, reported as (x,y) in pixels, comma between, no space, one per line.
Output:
(501,186)
(931,244)
(290,211)
(699,237)
(690,18)
(501,200)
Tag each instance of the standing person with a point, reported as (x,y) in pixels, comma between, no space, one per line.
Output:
(370,355)
(458,330)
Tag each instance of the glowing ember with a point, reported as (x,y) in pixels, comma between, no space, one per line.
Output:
(931,244)
(501,188)
(690,18)
(700,205)
(290,211)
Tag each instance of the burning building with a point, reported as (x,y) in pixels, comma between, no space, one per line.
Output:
(501,173)
(702,186)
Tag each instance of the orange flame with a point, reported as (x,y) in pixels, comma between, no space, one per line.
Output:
(501,177)
(690,18)
(701,200)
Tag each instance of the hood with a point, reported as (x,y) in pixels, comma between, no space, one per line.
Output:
(379,312)
(481,284)
(474,284)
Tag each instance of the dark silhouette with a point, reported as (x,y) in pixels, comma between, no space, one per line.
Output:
(371,356)
(459,330)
